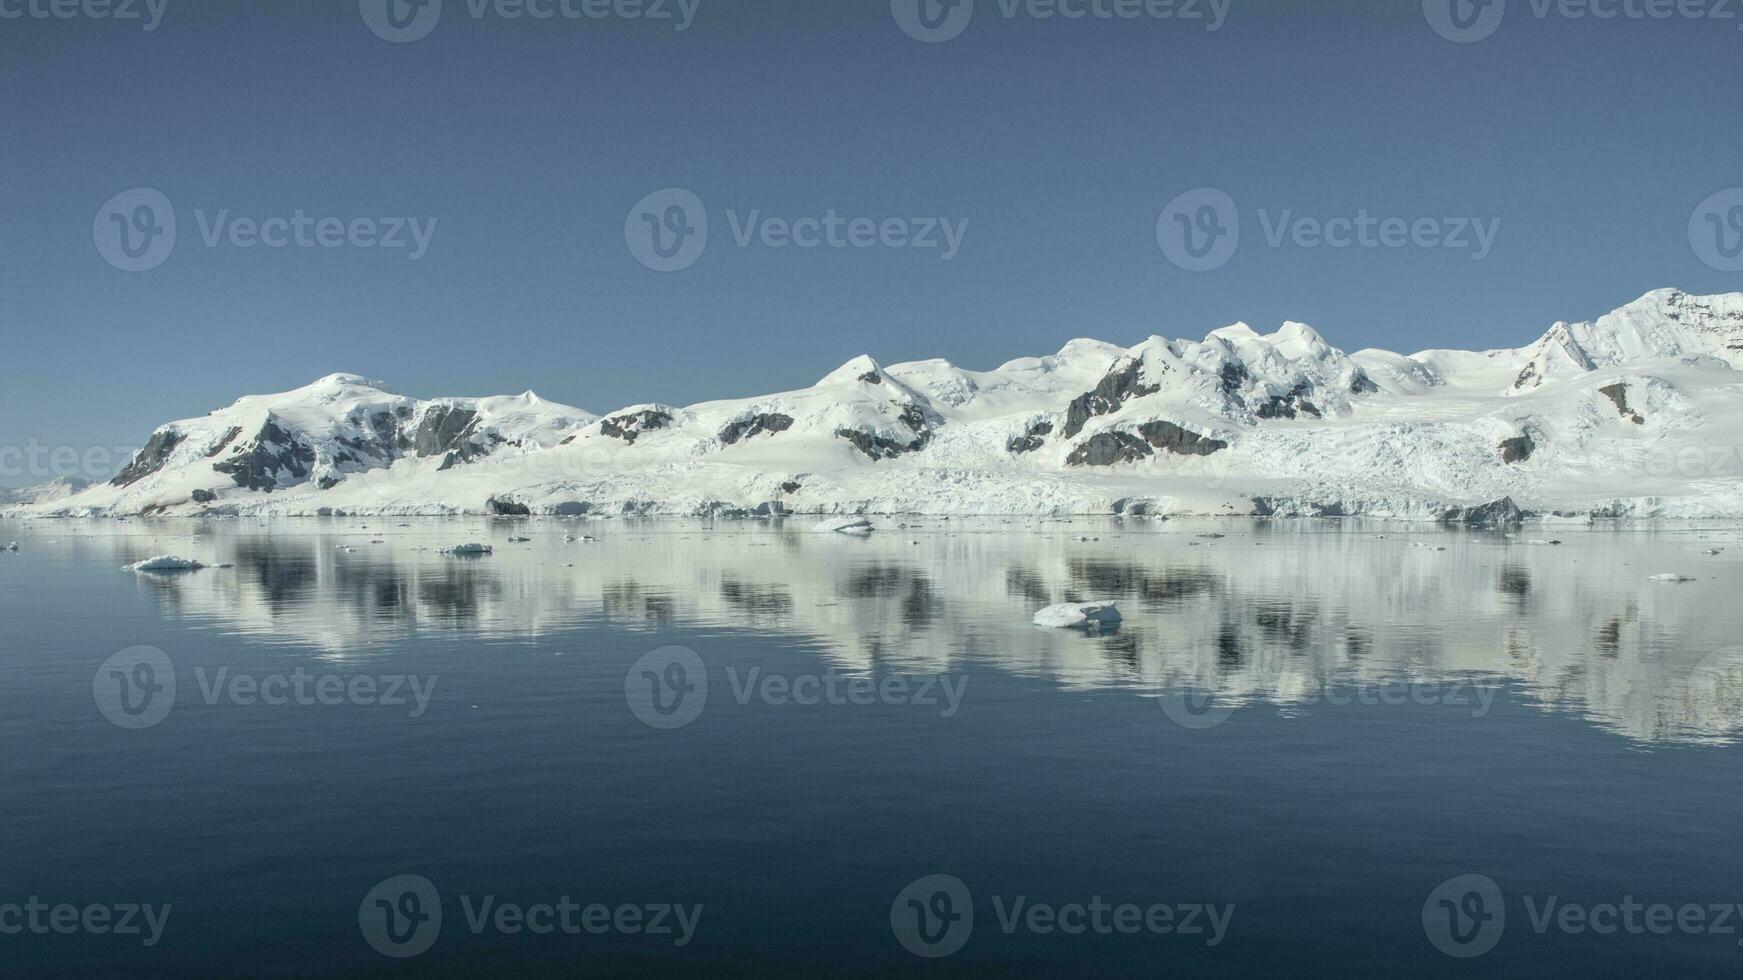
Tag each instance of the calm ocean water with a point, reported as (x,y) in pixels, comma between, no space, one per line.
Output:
(1317,748)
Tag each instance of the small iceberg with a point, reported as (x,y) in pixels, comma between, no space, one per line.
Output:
(12,547)
(1671,577)
(1099,615)
(518,540)
(844,525)
(165,563)
(468,549)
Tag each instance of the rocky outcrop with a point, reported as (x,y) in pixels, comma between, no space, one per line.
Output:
(878,446)
(1499,513)
(1119,386)
(1517,449)
(507,507)
(149,459)
(1110,448)
(1289,406)
(443,428)
(632,425)
(755,425)
(1033,438)
(204,496)
(1618,393)
(274,458)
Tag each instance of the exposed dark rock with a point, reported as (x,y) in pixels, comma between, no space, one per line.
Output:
(224,443)
(442,430)
(1361,384)
(1618,393)
(1289,406)
(1517,449)
(1136,506)
(1499,513)
(149,459)
(572,508)
(772,508)
(1033,438)
(274,454)
(506,507)
(631,425)
(791,486)
(882,447)
(204,496)
(1108,448)
(329,482)
(1234,377)
(871,378)
(1172,438)
(1118,387)
(754,426)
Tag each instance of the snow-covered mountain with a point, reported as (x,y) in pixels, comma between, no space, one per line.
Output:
(1638,413)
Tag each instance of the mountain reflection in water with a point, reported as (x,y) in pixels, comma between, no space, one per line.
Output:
(1271,613)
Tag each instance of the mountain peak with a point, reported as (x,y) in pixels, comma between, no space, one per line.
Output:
(863,368)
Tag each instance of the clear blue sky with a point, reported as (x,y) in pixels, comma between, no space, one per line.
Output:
(1060,141)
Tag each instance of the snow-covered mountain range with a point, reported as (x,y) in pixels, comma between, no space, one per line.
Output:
(1638,413)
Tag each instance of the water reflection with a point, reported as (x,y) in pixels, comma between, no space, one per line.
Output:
(1273,613)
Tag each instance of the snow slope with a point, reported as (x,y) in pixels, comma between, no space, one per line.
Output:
(1637,413)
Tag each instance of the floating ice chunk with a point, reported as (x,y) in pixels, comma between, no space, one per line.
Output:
(518,540)
(1070,614)
(1671,577)
(12,547)
(844,525)
(165,563)
(468,549)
